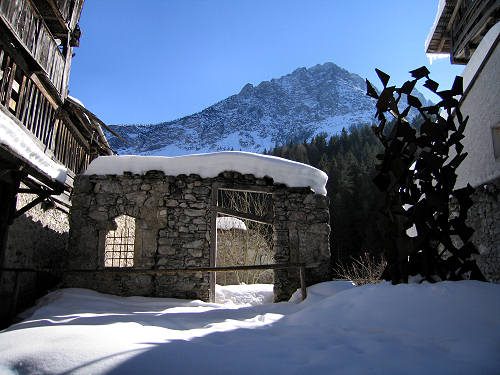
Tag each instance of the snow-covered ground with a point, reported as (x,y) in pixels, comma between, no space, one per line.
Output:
(443,328)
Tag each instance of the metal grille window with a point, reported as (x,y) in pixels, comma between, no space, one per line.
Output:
(119,245)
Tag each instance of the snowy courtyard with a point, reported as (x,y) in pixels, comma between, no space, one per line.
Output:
(442,328)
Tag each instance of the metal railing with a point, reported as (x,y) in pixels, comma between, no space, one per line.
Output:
(300,266)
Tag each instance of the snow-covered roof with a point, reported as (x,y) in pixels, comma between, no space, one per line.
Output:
(95,121)
(228,223)
(439,41)
(440,9)
(290,173)
(76,100)
(19,142)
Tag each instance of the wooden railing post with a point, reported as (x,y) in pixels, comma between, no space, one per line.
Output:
(302,272)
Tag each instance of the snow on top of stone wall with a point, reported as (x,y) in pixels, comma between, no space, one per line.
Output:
(228,223)
(18,141)
(290,173)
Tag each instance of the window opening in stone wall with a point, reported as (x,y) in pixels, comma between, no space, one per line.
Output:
(496,140)
(244,242)
(119,245)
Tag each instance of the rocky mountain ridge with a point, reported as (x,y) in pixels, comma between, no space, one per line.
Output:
(321,99)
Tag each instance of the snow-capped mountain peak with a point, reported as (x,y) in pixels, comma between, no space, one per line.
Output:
(321,99)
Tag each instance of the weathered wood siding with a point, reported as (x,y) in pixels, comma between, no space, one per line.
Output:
(21,96)
(32,32)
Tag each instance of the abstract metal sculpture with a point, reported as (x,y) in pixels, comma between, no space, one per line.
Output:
(418,174)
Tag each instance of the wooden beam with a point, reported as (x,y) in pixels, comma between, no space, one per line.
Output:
(20,100)
(31,191)
(245,216)
(4,80)
(32,204)
(8,192)
(61,199)
(96,119)
(129,270)
(22,54)
(453,15)
(249,189)
(303,289)
(475,17)
(57,15)
(11,158)
(441,45)
(50,97)
(95,123)
(74,129)
(15,296)
(7,80)
(213,239)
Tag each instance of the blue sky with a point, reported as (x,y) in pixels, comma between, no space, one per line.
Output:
(157,60)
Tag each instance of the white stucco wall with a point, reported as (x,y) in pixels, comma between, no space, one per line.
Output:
(482,104)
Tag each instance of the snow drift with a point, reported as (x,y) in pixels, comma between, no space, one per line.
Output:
(442,328)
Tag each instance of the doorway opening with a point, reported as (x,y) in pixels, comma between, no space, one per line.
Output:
(244,238)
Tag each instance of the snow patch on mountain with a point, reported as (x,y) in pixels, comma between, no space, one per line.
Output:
(322,99)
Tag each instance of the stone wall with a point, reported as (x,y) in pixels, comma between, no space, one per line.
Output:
(36,240)
(484,218)
(174,221)
(301,232)
(172,231)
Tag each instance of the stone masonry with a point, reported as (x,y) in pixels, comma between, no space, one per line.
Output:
(174,224)
(37,240)
(484,218)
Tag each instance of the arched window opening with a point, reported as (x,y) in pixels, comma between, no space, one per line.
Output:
(119,245)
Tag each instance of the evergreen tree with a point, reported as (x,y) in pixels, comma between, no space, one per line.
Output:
(349,159)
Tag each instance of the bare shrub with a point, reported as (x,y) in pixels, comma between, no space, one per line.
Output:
(252,246)
(365,270)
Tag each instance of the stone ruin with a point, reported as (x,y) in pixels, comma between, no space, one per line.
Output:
(173,229)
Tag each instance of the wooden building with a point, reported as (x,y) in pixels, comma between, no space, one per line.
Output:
(460,26)
(37,39)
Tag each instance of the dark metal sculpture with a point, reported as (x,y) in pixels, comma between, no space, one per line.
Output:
(418,177)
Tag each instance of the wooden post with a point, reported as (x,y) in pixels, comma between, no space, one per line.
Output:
(8,89)
(9,185)
(303,289)
(213,240)
(15,296)
(21,101)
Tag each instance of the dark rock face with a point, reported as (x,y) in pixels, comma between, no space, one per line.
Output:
(322,99)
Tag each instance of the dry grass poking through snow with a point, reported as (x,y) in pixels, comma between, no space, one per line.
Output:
(364,270)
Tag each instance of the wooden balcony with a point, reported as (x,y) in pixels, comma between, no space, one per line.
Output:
(60,16)
(32,33)
(470,21)
(67,133)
